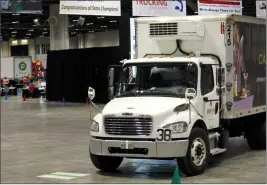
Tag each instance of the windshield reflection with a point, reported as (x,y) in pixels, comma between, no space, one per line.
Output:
(157,79)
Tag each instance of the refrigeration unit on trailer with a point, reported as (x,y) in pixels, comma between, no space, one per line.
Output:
(196,81)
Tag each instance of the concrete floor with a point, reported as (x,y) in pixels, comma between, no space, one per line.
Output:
(38,139)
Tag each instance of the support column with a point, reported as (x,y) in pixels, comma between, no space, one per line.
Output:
(59,32)
(5,49)
(32,49)
(124,35)
(81,41)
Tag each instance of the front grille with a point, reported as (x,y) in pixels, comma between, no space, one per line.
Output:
(132,126)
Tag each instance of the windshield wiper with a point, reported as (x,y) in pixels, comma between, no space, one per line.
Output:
(134,92)
(154,89)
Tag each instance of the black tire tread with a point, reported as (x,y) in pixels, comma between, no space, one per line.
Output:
(256,137)
(184,163)
(106,163)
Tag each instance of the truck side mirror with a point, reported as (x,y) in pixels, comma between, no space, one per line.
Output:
(91,93)
(190,93)
(220,76)
(111,83)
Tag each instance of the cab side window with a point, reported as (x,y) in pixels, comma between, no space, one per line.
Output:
(207,79)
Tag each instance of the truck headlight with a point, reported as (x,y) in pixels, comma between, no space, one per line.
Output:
(94,126)
(177,127)
(181,108)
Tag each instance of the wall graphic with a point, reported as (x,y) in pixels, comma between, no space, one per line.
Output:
(261,9)
(249,65)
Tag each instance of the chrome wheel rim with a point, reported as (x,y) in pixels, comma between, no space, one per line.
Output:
(198,152)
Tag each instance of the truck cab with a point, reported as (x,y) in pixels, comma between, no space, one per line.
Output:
(157,103)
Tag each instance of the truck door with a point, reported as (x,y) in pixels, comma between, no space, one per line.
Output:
(210,97)
(114,72)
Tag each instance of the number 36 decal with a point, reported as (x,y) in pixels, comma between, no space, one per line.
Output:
(164,134)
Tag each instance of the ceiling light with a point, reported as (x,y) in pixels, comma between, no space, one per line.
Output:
(29,34)
(41,36)
(44,32)
(74,20)
(113,21)
(36,22)
(91,31)
(73,33)
(31,30)
(15,14)
(80,21)
(15,22)
(103,26)
(14,32)
(13,35)
(45,29)
(26,37)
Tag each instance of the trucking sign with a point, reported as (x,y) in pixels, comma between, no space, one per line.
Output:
(159,8)
(212,7)
(90,7)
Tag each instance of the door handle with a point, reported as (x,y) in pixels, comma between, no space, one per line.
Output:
(206,99)
(216,108)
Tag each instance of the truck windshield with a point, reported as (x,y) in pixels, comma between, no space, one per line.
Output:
(157,79)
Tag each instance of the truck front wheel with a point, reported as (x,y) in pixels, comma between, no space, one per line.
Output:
(194,163)
(106,163)
(256,136)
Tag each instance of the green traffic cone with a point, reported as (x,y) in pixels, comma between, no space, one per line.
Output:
(176,177)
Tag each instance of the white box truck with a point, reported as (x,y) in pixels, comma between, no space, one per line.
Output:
(196,81)
(16,67)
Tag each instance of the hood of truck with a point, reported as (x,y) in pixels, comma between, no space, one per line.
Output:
(142,105)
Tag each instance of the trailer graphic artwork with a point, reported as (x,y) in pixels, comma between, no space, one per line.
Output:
(249,65)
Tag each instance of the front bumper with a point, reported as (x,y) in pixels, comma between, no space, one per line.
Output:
(152,149)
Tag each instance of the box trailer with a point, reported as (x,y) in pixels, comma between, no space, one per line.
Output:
(196,81)
(16,67)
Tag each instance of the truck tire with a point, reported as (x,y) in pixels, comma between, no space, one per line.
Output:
(196,159)
(256,136)
(106,163)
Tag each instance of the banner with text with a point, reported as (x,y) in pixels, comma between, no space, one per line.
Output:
(159,8)
(90,7)
(261,9)
(19,6)
(212,7)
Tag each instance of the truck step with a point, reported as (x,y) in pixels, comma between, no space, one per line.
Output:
(216,151)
